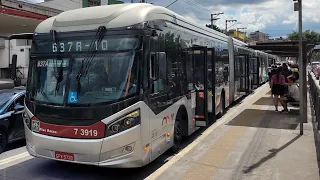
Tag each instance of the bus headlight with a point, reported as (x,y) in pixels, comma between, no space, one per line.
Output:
(126,122)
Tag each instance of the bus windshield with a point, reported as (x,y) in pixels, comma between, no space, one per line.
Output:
(72,79)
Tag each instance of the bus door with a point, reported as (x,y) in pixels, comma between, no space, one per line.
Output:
(244,74)
(199,57)
(211,79)
(255,71)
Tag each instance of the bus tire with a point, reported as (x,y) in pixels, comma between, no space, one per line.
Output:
(3,140)
(177,135)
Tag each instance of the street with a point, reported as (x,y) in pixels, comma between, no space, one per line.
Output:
(17,164)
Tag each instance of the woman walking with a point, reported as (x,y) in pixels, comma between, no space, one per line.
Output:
(278,89)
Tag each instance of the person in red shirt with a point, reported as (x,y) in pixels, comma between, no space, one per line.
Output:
(278,82)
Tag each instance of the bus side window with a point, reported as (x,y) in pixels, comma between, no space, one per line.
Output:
(189,69)
(153,73)
(158,71)
(162,70)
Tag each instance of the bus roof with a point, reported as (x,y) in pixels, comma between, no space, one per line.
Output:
(118,15)
(122,15)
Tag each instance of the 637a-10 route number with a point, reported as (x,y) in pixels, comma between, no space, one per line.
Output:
(85,132)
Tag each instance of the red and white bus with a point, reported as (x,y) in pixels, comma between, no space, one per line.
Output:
(119,85)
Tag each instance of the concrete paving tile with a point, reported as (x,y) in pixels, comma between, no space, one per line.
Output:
(269,148)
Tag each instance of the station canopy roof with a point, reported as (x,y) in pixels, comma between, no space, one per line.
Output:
(15,24)
(17,16)
(281,48)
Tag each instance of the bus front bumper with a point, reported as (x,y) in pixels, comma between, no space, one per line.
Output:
(120,151)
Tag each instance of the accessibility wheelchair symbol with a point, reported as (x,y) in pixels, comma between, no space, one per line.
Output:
(72,98)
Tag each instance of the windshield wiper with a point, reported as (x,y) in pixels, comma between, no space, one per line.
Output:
(91,54)
(92,50)
(56,41)
(59,79)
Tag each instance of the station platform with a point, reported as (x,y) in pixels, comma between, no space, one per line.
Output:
(251,141)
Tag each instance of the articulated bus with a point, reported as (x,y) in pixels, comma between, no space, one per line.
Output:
(119,85)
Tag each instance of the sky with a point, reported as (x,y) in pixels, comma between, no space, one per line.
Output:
(274,17)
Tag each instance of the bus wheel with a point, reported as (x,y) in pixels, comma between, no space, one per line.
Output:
(177,136)
(3,140)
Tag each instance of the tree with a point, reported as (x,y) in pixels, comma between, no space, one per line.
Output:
(311,37)
(214,27)
(294,36)
(315,56)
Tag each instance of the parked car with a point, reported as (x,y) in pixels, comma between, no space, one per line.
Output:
(11,111)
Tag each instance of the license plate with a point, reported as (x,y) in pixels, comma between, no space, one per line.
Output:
(64,156)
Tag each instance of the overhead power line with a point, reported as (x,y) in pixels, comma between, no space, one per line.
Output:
(229,20)
(198,2)
(193,4)
(171,3)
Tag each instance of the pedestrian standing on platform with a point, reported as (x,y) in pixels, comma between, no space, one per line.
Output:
(271,73)
(287,73)
(277,88)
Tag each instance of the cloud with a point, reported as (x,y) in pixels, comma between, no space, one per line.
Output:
(275,17)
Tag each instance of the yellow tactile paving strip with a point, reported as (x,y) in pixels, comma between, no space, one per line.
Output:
(214,158)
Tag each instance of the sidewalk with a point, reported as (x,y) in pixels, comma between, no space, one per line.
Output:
(251,141)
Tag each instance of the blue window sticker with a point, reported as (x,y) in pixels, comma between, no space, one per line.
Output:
(72,98)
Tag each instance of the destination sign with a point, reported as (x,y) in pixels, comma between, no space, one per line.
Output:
(78,46)
(84,45)
(52,63)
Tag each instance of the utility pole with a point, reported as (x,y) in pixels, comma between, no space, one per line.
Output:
(239,31)
(214,18)
(229,20)
(302,71)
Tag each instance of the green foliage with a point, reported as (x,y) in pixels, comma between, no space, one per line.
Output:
(114,2)
(311,37)
(315,56)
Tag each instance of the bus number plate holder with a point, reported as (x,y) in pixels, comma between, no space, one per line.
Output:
(64,156)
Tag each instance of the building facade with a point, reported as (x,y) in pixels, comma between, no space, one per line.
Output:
(19,17)
(65,5)
(258,36)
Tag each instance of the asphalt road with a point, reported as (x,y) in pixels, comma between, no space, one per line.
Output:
(16,164)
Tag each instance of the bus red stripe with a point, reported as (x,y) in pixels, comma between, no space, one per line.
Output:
(82,132)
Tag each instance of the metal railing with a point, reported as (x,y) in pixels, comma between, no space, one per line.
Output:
(315,97)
